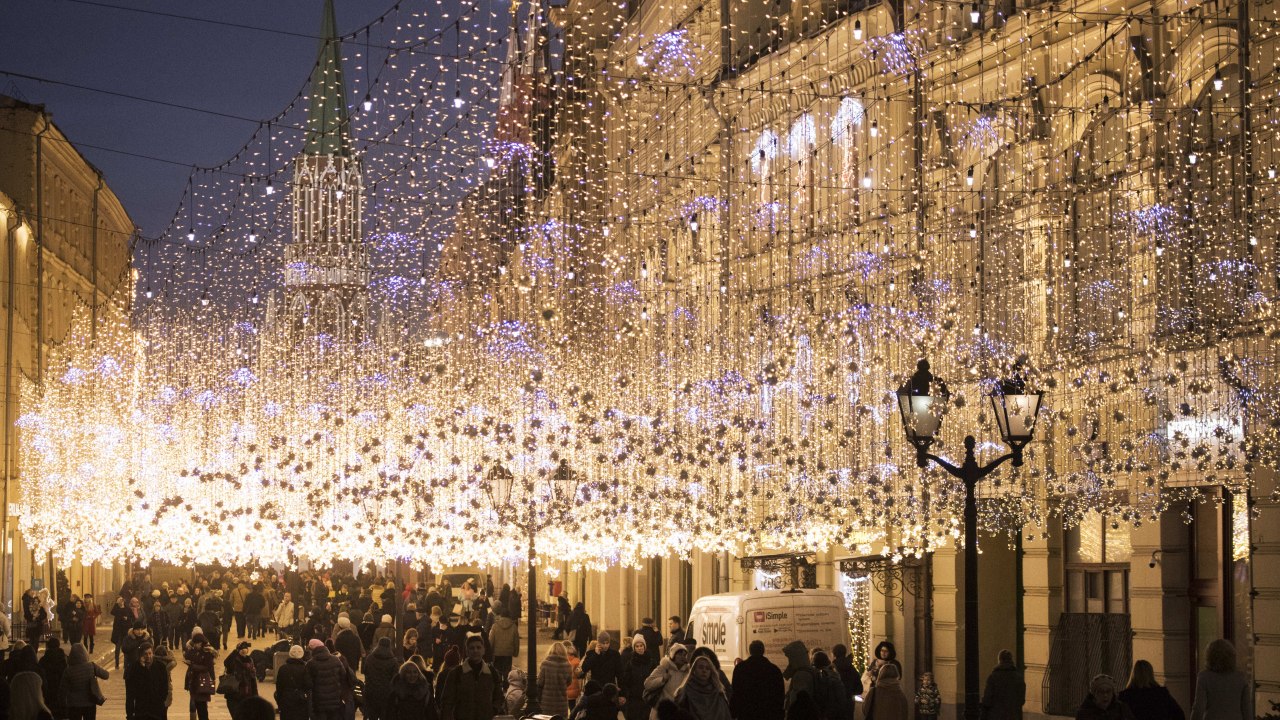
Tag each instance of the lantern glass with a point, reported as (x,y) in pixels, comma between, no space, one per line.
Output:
(921,416)
(1016,414)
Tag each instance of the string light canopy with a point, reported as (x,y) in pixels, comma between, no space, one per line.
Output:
(633,306)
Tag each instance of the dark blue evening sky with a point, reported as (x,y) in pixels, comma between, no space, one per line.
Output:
(237,71)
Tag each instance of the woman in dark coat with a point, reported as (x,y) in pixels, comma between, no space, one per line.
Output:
(580,626)
(1147,699)
(52,666)
(75,622)
(293,687)
(200,680)
(1101,703)
(240,667)
(77,691)
(411,697)
(636,666)
(121,621)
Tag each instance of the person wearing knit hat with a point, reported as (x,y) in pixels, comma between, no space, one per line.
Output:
(315,643)
(636,665)
(197,631)
(386,629)
(347,642)
(293,686)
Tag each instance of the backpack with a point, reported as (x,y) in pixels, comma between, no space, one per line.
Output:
(831,697)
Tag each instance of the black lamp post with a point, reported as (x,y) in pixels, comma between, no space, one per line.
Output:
(922,402)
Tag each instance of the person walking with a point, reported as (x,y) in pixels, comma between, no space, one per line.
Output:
(1222,691)
(79,692)
(652,640)
(199,681)
(759,692)
(504,638)
(239,666)
(472,690)
(1005,692)
(380,668)
(634,668)
(1147,699)
(386,629)
(667,677)
(1101,703)
(74,628)
(293,687)
(554,676)
(133,642)
(347,643)
(146,687)
(187,622)
(701,694)
(886,701)
(675,631)
(26,698)
(410,697)
(580,627)
(89,626)
(843,662)
(52,666)
(286,617)
(254,603)
(328,682)
(801,678)
(238,596)
(121,622)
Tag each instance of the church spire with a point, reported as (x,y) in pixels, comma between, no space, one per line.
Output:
(327,120)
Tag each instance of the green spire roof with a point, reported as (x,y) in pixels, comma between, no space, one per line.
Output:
(327,121)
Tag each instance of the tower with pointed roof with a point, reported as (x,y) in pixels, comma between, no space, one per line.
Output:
(326,271)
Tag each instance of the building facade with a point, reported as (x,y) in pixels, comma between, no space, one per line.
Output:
(1091,183)
(69,245)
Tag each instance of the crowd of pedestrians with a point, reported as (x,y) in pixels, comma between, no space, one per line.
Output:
(398,652)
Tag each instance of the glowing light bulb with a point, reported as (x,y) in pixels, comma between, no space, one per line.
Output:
(422,279)
(339,193)
(1253,240)
(458,102)
(1066,262)
(149,293)
(867,181)
(253,237)
(641,60)
(204,299)
(1144,281)
(270,189)
(875,128)
(857,29)
(1192,157)
(1159,250)
(693,223)
(1271,173)
(253,299)
(1217,80)
(974,16)
(191,234)
(973,230)
(368,102)
(490,162)
(968,179)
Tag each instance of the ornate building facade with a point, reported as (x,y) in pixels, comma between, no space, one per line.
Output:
(68,255)
(1090,182)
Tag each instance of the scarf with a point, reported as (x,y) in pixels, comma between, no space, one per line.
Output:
(705,701)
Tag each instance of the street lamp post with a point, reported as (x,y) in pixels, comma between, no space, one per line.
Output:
(922,403)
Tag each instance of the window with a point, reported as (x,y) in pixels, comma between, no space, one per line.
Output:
(1097,553)
(800,144)
(846,145)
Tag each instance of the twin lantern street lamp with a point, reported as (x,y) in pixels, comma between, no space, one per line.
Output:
(922,401)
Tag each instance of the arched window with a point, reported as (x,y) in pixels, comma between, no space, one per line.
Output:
(846,164)
(764,156)
(801,140)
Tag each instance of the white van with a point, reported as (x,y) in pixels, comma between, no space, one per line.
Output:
(728,622)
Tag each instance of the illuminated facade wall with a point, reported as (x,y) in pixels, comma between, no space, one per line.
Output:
(68,246)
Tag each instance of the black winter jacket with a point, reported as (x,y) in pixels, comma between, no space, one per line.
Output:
(328,680)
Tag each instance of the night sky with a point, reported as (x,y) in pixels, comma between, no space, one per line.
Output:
(225,69)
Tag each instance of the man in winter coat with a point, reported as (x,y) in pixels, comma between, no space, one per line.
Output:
(759,691)
(380,668)
(603,663)
(146,687)
(1005,692)
(504,638)
(254,603)
(803,678)
(293,687)
(238,596)
(347,642)
(668,676)
(652,639)
(329,680)
(472,690)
